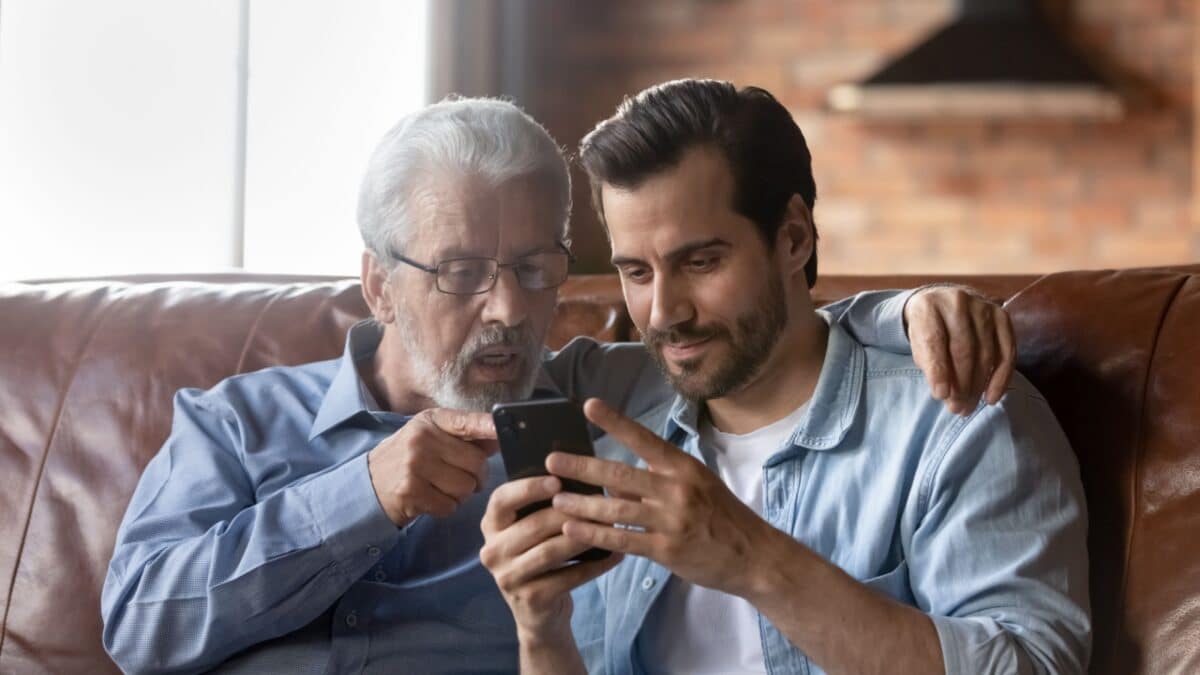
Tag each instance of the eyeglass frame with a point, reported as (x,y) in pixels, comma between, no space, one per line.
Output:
(433,269)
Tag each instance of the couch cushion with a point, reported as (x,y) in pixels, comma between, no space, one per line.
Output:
(1117,355)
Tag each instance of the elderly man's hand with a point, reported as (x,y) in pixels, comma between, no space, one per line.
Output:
(963,342)
(432,464)
(682,516)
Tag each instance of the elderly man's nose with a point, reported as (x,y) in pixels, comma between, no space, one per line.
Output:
(506,303)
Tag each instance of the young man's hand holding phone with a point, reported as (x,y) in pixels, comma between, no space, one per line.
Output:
(529,431)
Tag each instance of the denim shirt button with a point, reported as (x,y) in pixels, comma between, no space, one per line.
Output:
(647,584)
(352,619)
(373,551)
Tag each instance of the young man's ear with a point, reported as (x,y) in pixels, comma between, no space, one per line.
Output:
(375,288)
(794,241)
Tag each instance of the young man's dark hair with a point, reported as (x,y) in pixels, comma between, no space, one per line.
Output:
(765,150)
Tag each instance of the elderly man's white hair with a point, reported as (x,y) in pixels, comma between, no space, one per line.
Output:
(487,138)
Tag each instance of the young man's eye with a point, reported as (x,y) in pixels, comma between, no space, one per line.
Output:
(702,264)
(635,274)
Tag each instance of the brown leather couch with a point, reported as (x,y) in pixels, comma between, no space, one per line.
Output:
(88,369)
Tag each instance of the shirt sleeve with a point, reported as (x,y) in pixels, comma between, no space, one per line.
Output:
(874,318)
(202,569)
(999,559)
(620,373)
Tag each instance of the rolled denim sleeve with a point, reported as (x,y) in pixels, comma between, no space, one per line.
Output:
(203,569)
(874,318)
(999,559)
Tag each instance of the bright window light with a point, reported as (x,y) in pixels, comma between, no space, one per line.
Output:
(120,128)
(327,81)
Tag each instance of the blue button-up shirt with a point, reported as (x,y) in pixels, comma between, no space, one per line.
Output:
(979,522)
(254,539)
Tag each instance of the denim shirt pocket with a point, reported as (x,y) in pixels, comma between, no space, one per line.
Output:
(893,584)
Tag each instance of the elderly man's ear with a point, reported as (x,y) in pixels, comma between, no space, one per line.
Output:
(376,290)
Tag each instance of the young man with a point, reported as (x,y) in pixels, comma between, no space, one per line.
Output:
(811,509)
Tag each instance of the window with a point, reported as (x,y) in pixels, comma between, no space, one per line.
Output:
(132,139)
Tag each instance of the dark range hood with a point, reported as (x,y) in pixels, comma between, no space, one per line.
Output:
(996,58)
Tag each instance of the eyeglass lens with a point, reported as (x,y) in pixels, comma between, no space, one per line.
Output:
(476,275)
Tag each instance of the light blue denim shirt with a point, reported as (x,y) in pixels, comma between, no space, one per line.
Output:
(254,539)
(979,522)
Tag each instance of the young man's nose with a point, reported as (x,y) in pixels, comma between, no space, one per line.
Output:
(670,305)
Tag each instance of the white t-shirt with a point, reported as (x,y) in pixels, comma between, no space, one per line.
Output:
(696,630)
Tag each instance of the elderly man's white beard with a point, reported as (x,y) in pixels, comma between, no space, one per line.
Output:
(447,384)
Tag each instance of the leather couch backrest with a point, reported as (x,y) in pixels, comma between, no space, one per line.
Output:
(88,370)
(1117,355)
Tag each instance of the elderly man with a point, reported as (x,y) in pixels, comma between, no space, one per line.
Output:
(812,509)
(326,517)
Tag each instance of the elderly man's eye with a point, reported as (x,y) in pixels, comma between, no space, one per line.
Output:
(464,272)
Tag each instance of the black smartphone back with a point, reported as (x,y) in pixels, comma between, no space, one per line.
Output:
(529,431)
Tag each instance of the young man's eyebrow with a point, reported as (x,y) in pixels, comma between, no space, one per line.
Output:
(676,253)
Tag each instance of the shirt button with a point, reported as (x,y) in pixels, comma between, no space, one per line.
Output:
(380,575)
(352,619)
(373,551)
(647,584)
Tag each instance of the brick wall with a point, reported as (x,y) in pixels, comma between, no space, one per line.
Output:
(951,196)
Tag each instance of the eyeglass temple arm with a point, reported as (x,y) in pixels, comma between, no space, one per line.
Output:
(409,261)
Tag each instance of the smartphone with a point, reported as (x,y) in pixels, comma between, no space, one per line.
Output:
(529,431)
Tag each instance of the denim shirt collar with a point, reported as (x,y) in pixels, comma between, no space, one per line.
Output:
(348,398)
(831,410)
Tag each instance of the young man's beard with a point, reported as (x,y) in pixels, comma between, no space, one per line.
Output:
(750,343)
(447,384)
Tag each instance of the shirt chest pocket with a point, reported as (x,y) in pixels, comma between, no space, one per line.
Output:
(893,584)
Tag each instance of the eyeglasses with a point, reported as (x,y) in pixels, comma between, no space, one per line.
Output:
(471,276)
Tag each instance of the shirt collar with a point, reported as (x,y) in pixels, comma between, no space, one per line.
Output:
(348,396)
(831,410)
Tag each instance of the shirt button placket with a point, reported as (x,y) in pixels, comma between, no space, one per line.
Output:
(351,641)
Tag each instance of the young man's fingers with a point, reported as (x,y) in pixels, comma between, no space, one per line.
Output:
(618,493)
(632,435)
(527,533)
(549,555)
(511,496)
(567,578)
(603,472)
(610,538)
(608,510)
